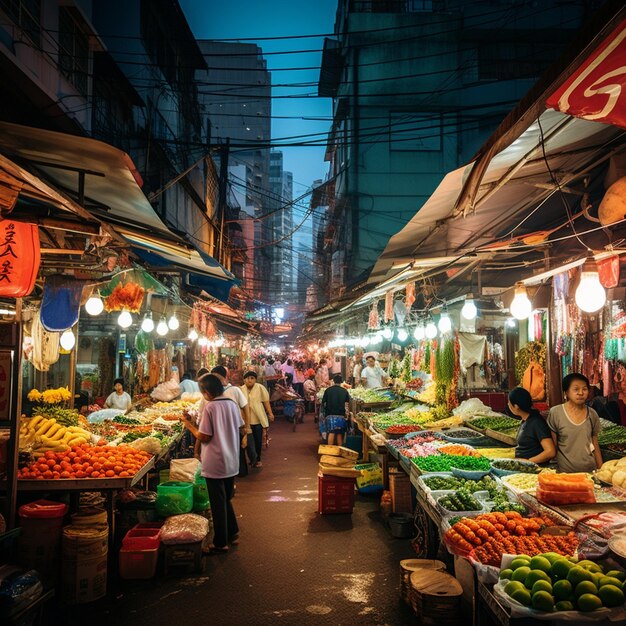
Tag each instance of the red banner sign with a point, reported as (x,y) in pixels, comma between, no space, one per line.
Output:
(19,258)
(597,90)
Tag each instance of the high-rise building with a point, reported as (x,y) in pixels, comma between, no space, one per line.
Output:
(236,94)
(280,223)
(417,88)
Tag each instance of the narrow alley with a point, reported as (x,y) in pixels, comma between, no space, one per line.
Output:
(293,565)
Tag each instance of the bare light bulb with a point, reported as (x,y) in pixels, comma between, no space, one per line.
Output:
(125,319)
(67,340)
(162,328)
(419,333)
(431,330)
(173,322)
(94,305)
(590,294)
(147,325)
(445,323)
(203,342)
(402,335)
(469,310)
(521,307)
(387,333)
(193,334)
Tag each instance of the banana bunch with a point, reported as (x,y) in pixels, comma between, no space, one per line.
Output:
(43,434)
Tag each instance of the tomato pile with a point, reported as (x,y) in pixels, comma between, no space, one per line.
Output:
(86,461)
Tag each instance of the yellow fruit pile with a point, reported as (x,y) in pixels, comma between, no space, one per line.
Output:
(42,435)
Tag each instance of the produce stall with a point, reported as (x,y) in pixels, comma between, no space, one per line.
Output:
(484,504)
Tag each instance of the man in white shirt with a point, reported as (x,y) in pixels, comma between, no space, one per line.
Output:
(234,393)
(260,410)
(288,368)
(322,377)
(373,374)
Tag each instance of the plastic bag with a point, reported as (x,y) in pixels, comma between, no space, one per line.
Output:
(188,528)
(185,470)
(200,495)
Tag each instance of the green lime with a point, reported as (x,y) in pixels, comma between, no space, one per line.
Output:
(588,602)
(540,562)
(522,596)
(519,561)
(616,573)
(586,586)
(541,585)
(609,580)
(562,589)
(578,575)
(513,586)
(520,573)
(589,565)
(561,568)
(611,595)
(535,575)
(564,605)
(506,573)
(542,601)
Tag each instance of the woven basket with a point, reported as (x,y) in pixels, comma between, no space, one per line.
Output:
(436,598)
(408,566)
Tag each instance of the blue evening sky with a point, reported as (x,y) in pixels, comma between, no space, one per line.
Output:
(279,18)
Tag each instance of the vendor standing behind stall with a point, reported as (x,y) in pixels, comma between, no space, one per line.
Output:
(119,399)
(373,374)
(575,428)
(534,438)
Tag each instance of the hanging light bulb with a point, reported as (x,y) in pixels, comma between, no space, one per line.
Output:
(173,322)
(419,333)
(590,294)
(431,330)
(147,325)
(68,340)
(469,309)
(94,306)
(193,334)
(125,319)
(203,341)
(520,306)
(365,342)
(162,327)
(402,335)
(445,323)
(387,333)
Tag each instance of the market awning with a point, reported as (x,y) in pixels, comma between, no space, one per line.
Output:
(99,177)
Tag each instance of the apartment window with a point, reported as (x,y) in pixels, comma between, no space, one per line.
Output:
(411,132)
(26,14)
(73,51)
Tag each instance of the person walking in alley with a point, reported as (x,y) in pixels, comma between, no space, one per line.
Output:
(219,434)
(334,403)
(260,411)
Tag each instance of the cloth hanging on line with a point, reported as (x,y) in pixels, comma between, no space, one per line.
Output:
(45,345)
(472,349)
(388,306)
(60,304)
(410,295)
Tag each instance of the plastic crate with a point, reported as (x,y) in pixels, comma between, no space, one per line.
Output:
(138,564)
(142,538)
(335,495)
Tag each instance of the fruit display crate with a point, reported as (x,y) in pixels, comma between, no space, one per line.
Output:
(83,484)
(508,437)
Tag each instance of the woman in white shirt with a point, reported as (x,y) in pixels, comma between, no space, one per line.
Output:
(119,399)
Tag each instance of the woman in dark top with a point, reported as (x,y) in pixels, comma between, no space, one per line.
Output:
(534,440)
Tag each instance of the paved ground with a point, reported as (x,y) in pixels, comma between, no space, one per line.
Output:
(293,566)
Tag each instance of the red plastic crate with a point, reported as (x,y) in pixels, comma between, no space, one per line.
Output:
(335,495)
(137,564)
(142,537)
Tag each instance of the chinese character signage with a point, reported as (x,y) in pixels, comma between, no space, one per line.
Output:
(597,89)
(19,258)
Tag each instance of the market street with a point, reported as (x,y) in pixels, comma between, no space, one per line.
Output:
(293,566)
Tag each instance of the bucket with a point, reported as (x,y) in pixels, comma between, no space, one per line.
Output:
(89,516)
(84,562)
(40,540)
(401,525)
(84,580)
